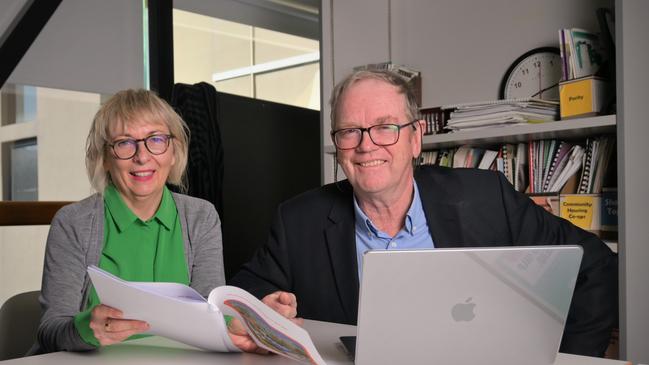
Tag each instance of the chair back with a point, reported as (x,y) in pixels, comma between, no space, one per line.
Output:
(19,319)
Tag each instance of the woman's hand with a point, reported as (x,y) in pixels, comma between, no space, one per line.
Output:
(109,327)
(282,302)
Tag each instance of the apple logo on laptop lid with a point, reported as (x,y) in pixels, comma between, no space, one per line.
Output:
(463,312)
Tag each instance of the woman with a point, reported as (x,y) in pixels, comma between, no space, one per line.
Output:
(133,227)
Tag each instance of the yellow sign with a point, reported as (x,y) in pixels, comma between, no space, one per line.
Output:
(582,210)
(581,97)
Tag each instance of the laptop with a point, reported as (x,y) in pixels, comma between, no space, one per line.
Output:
(503,305)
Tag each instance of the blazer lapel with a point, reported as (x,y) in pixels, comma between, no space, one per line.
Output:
(443,217)
(341,242)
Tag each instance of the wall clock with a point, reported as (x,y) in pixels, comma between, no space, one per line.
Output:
(535,74)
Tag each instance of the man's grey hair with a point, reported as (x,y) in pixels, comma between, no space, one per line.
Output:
(392,78)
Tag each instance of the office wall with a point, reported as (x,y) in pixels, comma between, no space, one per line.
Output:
(10,10)
(87,45)
(273,15)
(89,48)
(633,131)
(62,122)
(462,47)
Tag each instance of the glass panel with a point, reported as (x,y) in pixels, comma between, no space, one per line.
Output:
(244,60)
(53,168)
(272,46)
(204,45)
(24,170)
(300,86)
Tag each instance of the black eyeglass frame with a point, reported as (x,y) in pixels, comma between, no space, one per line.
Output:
(369,133)
(137,145)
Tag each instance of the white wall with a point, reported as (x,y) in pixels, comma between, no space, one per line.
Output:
(21,259)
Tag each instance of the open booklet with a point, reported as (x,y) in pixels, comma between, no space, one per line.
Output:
(179,312)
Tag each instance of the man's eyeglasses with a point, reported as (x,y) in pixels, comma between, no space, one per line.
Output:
(380,134)
(126,148)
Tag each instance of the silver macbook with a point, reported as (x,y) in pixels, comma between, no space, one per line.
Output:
(505,306)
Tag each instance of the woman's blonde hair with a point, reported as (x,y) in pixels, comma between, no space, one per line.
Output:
(132,107)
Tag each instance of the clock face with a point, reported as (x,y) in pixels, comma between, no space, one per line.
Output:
(535,74)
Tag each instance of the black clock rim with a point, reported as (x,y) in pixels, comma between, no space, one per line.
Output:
(501,92)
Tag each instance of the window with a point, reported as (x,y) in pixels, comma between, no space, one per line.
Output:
(22,165)
(246,60)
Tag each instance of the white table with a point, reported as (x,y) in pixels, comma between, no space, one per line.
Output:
(160,351)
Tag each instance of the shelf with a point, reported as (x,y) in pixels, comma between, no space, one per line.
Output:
(561,129)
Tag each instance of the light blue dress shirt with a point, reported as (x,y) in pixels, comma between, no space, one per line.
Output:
(414,234)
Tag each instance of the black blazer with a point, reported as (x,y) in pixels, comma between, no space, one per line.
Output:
(311,250)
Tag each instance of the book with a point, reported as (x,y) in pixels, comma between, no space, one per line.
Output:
(180,313)
(547,160)
(488,159)
(571,167)
(560,153)
(587,170)
(564,51)
(499,113)
(530,165)
(460,156)
(587,55)
(480,104)
(520,183)
(604,160)
(608,210)
(581,53)
(582,210)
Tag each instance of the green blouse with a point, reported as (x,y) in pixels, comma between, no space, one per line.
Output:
(137,250)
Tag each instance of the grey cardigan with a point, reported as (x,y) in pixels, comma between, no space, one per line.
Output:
(75,241)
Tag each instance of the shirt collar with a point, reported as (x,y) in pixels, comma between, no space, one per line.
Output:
(364,223)
(124,217)
(414,214)
(167,212)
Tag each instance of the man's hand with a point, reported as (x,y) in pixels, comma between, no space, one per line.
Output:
(241,339)
(284,303)
(109,327)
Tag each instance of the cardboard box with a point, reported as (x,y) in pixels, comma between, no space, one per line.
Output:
(583,97)
(549,202)
(412,77)
(582,210)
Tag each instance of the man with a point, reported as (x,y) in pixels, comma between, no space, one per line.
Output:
(313,254)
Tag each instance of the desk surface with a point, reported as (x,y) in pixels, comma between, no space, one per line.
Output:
(157,350)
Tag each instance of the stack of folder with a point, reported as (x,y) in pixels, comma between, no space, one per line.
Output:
(479,115)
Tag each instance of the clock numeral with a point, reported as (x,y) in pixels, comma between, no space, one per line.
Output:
(518,84)
(537,64)
(525,71)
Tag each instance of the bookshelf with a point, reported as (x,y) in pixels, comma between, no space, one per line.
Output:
(569,129)
(561,129)
(462,49)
